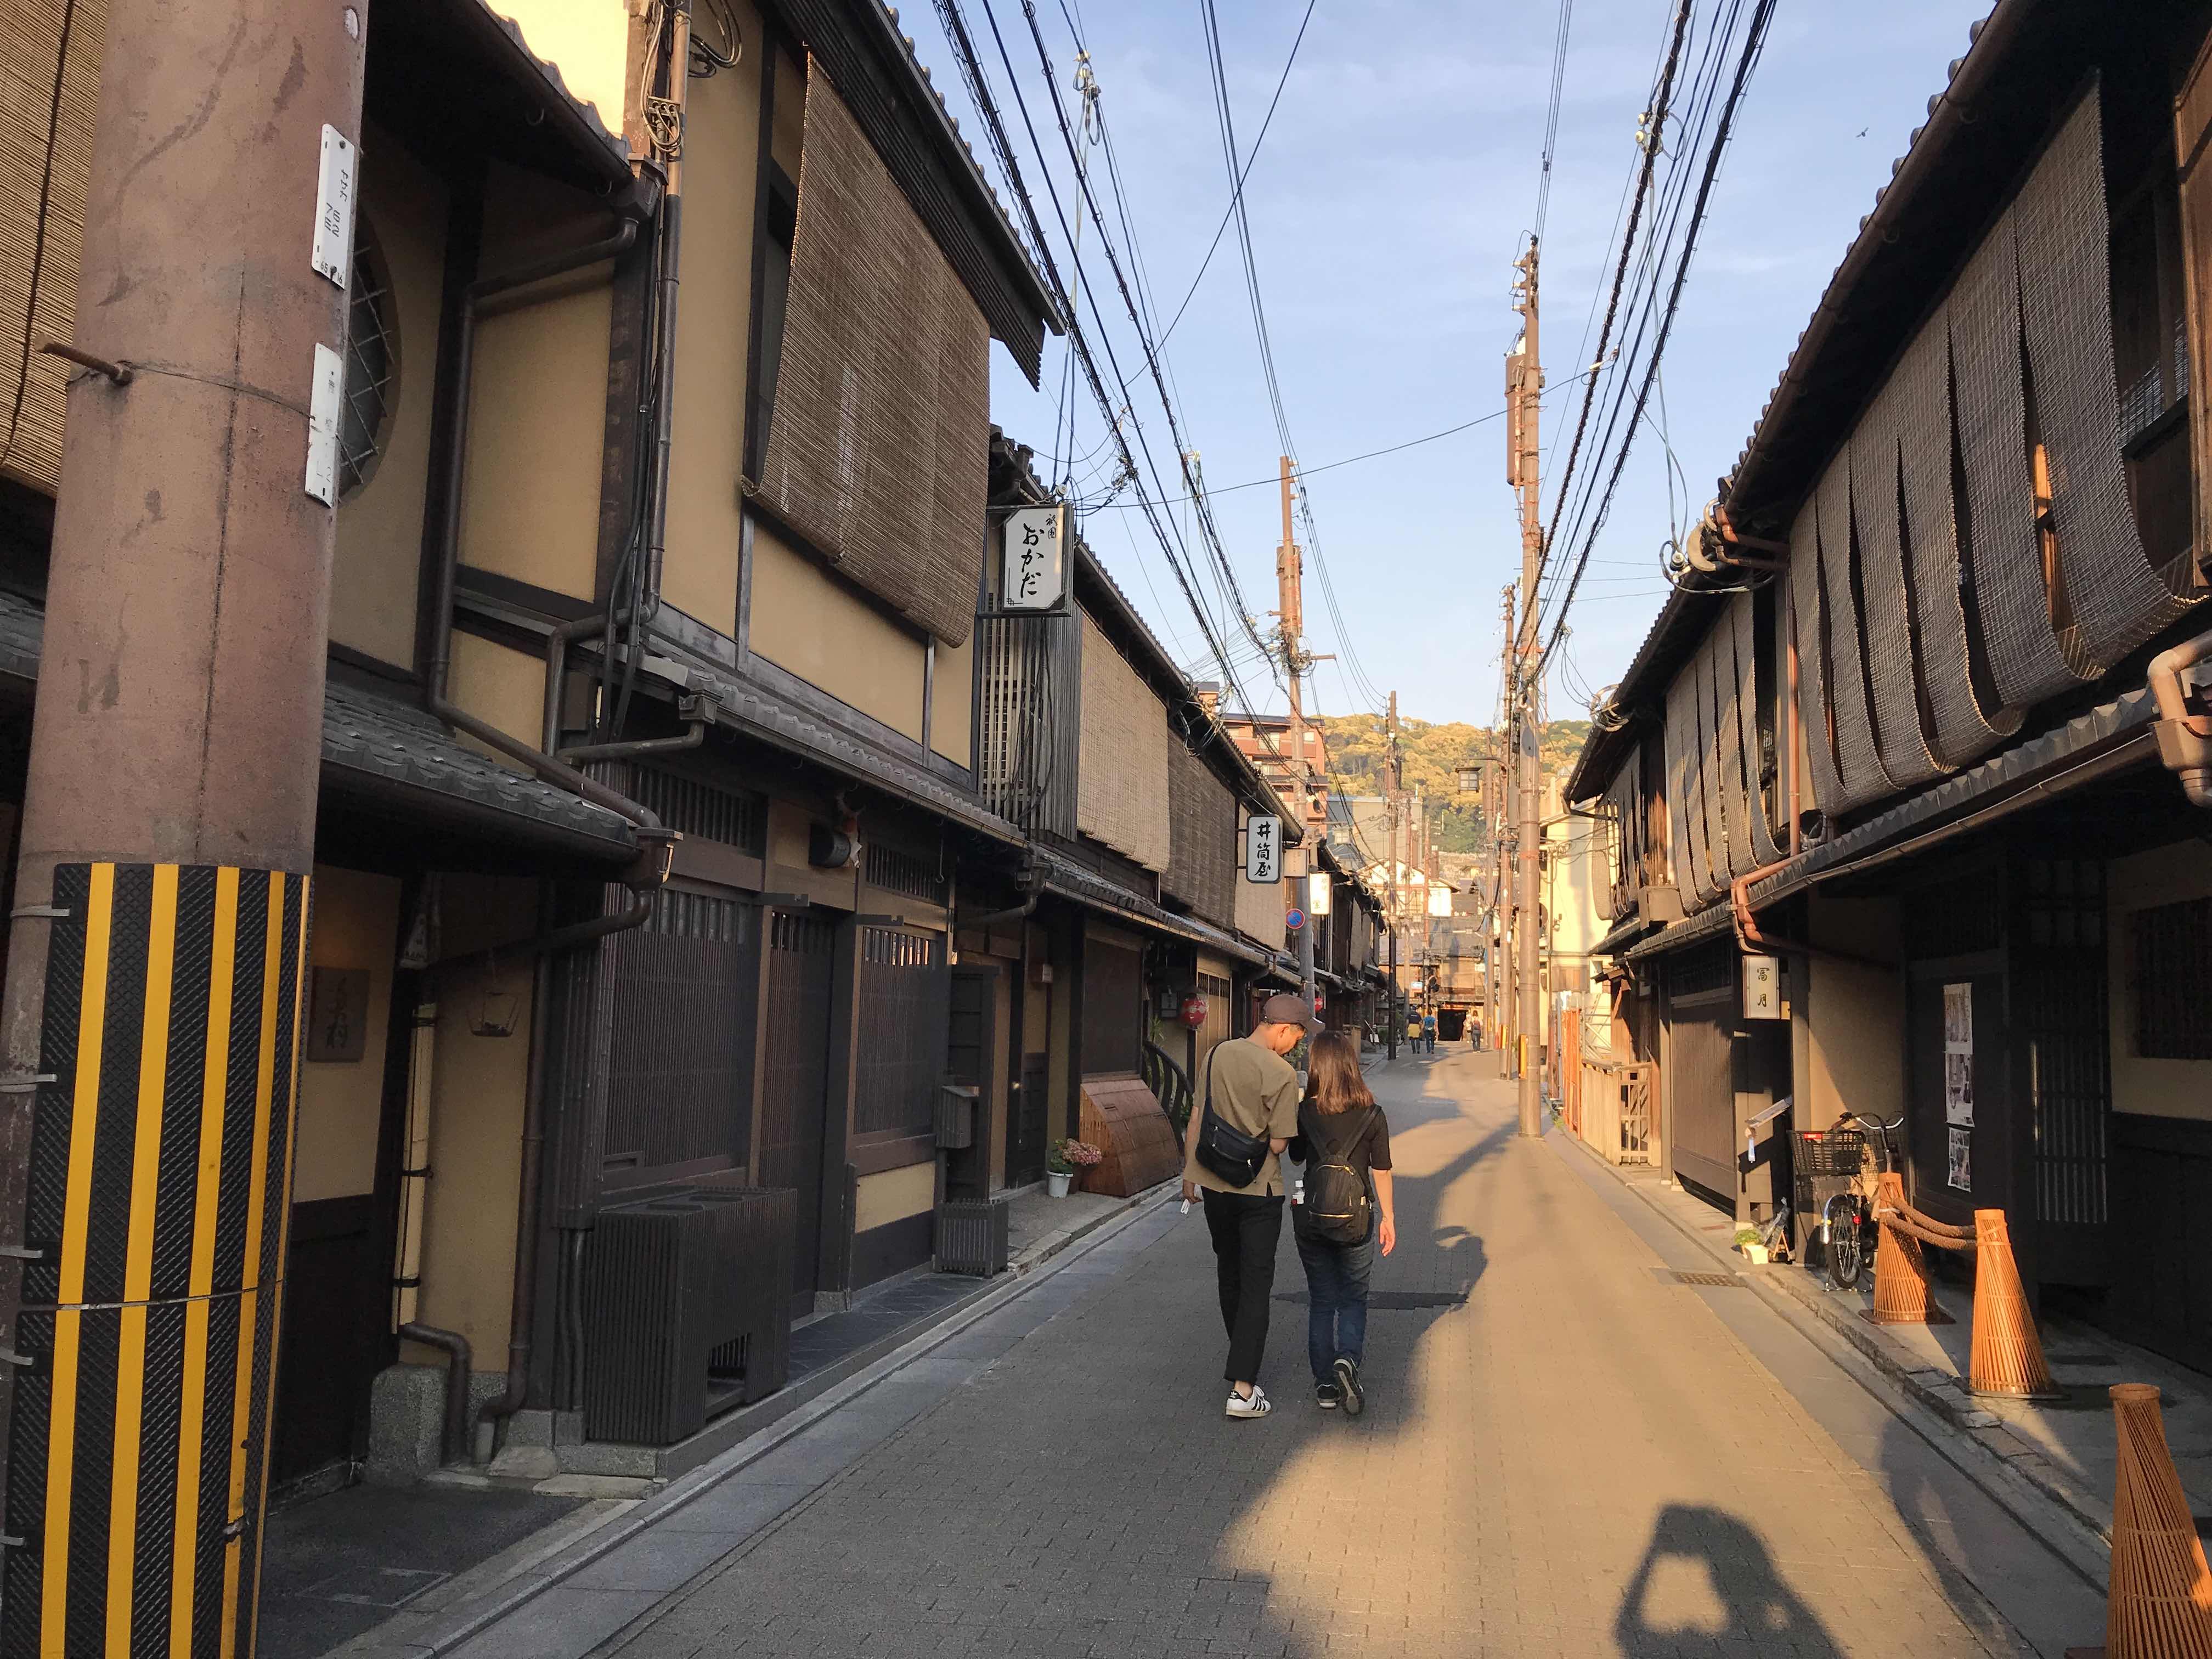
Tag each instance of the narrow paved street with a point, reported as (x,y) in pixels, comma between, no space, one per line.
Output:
(1565,1453)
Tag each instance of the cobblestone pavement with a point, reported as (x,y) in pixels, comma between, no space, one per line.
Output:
(1579,1458)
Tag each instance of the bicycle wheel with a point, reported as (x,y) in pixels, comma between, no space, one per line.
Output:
(1839,1231)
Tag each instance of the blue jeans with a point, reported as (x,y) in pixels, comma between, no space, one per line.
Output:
(1336,1288)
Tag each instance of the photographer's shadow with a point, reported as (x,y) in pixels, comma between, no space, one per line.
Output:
(1742,1600)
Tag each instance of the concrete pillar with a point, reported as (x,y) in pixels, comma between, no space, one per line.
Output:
(156,965)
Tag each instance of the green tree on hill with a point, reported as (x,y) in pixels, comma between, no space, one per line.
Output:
(1430,756)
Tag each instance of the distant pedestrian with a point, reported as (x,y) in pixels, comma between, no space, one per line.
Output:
(1247,1110)
(1414,1032)
(1429,1032)
(1344,1211)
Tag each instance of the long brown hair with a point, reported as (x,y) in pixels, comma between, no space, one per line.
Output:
(1333,1080)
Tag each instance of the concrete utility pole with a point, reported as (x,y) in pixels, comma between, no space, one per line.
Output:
(1507,1018)
(1391,870)
(1293,617)
(169,835)
(1524,388)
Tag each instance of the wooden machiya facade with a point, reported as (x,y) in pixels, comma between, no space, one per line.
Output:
(648,793)
(1128,943)
(1938,760)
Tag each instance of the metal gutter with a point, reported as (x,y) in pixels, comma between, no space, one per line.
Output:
(1071,881)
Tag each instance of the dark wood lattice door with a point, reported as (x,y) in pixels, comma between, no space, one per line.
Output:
(1026,1123)
(794,1105)
(2059,1007)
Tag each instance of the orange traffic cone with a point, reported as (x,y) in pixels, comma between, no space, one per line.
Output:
(2008,1354)
(2159,1605)
(1900,1271)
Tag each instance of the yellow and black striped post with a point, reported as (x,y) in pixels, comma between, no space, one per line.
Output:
(160,1186)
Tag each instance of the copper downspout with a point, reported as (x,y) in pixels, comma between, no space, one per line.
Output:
(1755,943)
(2184,740)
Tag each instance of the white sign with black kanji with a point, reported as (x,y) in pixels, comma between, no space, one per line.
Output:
(1263,850)
(1034,572)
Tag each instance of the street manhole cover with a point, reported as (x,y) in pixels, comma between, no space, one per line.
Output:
(1709,1281)
(376,1587)
(1400,1301)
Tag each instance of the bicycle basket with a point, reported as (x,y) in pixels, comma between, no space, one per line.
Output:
(1830,1151)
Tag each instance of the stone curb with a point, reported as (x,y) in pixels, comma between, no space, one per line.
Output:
(2015,1475)
(514,1592)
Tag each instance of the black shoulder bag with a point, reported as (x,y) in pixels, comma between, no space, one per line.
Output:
(1226,1153)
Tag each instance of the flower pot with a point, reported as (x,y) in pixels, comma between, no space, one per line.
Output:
(1055,1182)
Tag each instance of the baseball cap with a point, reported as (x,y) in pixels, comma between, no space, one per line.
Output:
(1283,1008)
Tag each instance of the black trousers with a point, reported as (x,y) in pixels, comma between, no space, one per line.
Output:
(1245,1230)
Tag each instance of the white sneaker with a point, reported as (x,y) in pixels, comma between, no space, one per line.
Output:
(1252,1404)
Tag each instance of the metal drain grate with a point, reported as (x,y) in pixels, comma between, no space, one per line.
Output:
(1402,1301)
(1709,1281)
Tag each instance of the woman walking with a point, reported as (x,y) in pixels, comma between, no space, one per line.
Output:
(1343,1142)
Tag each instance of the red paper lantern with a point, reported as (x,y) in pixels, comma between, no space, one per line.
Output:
(1193,1011)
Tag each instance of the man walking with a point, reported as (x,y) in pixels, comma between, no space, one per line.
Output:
(1429,1032)
(1249,1086)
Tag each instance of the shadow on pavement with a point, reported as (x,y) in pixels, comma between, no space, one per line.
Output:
(1706,1578)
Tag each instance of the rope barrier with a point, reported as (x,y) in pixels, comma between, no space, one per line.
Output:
(1916,1225)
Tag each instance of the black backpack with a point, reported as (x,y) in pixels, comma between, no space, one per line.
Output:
(1337,1208)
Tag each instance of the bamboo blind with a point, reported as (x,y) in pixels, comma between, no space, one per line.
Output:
(1121,784)
(1201,836)
(31,313)
(878,443)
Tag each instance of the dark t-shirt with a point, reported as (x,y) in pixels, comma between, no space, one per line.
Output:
(1371,1152)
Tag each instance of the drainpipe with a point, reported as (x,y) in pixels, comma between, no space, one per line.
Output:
(644,879)
(450,1442)
(2184,740)
(1750,939)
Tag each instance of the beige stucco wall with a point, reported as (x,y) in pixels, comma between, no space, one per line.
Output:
(805,620)
(378,565)
(475,1122)
(893,1195)
(537,410)
(342,1102)
(1121,778)
(721,139)
(2156,1088)
(504,687)
(953,705)
(587,41)
(1854,1017)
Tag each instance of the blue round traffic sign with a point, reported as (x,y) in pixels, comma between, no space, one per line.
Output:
(1294,919)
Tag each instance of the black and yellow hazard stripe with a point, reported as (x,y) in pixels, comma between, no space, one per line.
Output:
(160,1186)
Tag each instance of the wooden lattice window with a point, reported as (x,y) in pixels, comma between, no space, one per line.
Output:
(2173,981)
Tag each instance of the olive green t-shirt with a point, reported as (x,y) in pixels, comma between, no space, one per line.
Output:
(1255,1092)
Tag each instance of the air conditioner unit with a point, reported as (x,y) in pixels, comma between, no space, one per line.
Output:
(687,1309)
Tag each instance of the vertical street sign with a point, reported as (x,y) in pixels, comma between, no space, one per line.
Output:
(1263,850)
(1765,996)
(1033,572)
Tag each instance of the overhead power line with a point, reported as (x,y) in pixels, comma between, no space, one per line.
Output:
(1747,60)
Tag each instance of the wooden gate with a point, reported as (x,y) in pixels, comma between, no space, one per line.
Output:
(794,1103)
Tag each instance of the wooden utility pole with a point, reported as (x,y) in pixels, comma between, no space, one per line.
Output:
(1524,388)
(1292,616)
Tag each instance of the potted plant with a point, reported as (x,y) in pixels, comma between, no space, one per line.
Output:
(1064,1160)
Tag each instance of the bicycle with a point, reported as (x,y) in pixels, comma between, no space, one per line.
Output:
(1848,1228)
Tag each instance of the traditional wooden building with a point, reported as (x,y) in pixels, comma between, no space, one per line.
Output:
(1910,725)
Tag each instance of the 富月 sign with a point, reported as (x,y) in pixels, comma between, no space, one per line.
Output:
(1764,996)
(1263,850)
(1033,574)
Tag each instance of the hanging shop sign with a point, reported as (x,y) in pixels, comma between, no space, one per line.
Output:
(1033,573)
(1263,850)
(1765,995)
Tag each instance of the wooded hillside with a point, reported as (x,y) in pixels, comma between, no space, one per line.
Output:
(1432,753)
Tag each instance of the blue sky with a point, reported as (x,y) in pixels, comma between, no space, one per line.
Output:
(1388,203)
